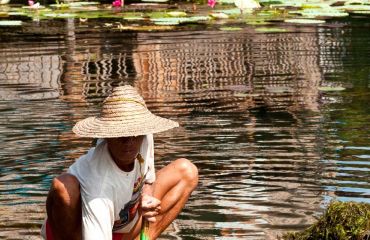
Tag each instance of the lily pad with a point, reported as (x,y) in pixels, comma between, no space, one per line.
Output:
(270,30)
(17,14)
(60,5)
(269,2)
(219,15)
(177,14)
(4,14)
(354,8)
(199,18)
(178,20)
(232,11)
(78,4)
(304,21)
(313,13)
(60,15)
(331,89)
(257,22)
(171,21)
(10,23)
(361,12)
(145,28)
(36,6)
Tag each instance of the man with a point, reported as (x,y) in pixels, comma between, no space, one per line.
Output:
(108,192)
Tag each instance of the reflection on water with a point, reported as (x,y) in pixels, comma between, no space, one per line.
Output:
(271,148)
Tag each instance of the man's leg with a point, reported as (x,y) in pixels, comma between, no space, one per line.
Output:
(173,186)
(63,206)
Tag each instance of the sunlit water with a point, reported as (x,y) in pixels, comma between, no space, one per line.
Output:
(272,149)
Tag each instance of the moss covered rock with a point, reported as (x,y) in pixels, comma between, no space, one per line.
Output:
(341,221)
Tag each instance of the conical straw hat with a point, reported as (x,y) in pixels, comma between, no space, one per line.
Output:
(124,114)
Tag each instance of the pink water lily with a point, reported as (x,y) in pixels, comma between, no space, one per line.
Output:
(117,3)
(212,3)
(31,3)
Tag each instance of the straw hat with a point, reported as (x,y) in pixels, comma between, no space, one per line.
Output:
(124,114)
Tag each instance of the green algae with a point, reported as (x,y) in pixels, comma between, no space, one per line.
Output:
(304,21)
(341,221)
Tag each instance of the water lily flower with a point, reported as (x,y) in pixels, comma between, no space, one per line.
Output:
(117,3)
(212,3)
(30,3)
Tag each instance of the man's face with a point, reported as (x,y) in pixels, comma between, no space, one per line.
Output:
(125,148)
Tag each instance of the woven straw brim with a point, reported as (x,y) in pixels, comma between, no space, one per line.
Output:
(95,127)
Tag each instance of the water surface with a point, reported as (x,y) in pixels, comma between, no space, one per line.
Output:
(271,147)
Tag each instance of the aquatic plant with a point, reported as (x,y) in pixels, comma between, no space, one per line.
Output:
(341,221)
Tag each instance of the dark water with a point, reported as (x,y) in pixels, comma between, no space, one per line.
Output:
(272,148)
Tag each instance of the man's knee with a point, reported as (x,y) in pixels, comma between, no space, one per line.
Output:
(188,171)
(65,189)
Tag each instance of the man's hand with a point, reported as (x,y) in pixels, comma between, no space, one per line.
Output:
(150,207)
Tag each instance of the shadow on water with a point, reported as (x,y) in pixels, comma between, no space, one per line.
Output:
(272,148)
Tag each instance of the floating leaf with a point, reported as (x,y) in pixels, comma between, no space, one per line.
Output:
(219,15)
(304,21)
(315,5)
(331,89)
(257,22)
(60,15)
(361,12)
(17,14)
(271,30)
(313,13)
(10,23)
(354,8)
(232,11)
(134,18)
(199,18)
(4,14)
(269,2)
(231,29)
(145,28)
(79,4)
(4,2)
(61,5)
(36,6)
(179,20)
(177,14)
